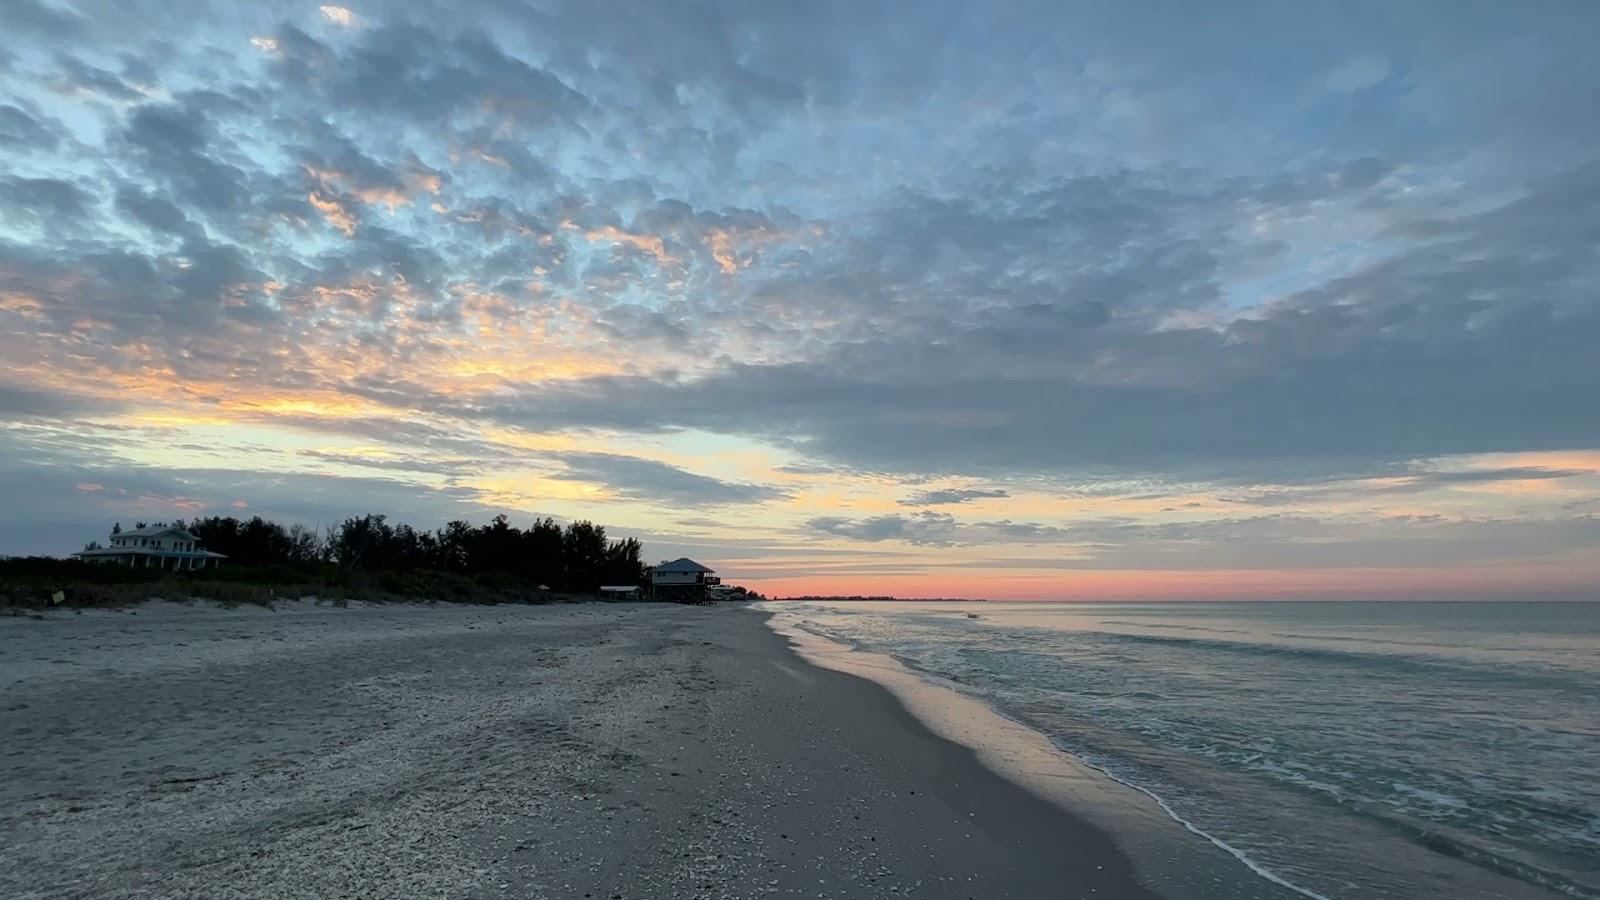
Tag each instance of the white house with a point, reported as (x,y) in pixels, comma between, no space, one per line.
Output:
(154,547)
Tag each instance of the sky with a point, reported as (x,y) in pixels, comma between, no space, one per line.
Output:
(1017,300)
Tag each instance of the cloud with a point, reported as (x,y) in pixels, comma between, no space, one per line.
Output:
(806,469)
(338,15)
(929,528)
(657,482)
(1488,476)
(155,213)
(43,19)
(22,401)
(26,130)
(942,530)
(427,76)
(1397,480)
(1254,542)
(47,201)
(75,75)
(940,497)
(178,144)
(1404,358)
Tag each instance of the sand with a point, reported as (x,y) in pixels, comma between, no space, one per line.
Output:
(605,751)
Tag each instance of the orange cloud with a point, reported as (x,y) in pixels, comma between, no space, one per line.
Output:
(648,243)
(21,304)
(1566,460)
(334,212)
(725,243)
(722,251)
(416,179)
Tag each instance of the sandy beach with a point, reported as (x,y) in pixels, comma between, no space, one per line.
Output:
(601,751)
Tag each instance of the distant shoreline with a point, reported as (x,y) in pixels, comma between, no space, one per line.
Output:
(855,598)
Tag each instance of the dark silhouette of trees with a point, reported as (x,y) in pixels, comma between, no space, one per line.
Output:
(577,558)
(542,548)
(256,542)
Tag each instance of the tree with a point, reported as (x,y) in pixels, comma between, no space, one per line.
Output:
(583,555)
(453,541)
(622,562)
(360,543)
(541,550)
(494,547)
(304,545)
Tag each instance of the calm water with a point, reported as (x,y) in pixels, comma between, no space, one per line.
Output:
(1332,743)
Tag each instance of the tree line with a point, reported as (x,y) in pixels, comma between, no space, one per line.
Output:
(576,558)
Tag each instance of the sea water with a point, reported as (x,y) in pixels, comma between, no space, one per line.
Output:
(1331,744)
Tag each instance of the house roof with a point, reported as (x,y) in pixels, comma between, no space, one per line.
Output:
(149,551)
(682,564)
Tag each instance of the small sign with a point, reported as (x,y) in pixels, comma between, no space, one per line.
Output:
(58,598)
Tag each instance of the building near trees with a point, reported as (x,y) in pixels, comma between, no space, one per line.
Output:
(153,547)
(683,580)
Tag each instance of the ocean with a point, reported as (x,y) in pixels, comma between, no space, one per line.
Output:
(1329,744)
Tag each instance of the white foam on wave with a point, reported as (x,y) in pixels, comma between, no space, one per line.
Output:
(1226,847)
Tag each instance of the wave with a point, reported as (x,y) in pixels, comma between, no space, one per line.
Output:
(1462,848)
(1540,675)
(1205,628)
(1192,828)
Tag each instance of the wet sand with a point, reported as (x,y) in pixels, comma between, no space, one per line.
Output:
(605,751)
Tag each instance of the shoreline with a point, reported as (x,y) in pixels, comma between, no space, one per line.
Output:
(1162,846)
(1166,850)
(608,750)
